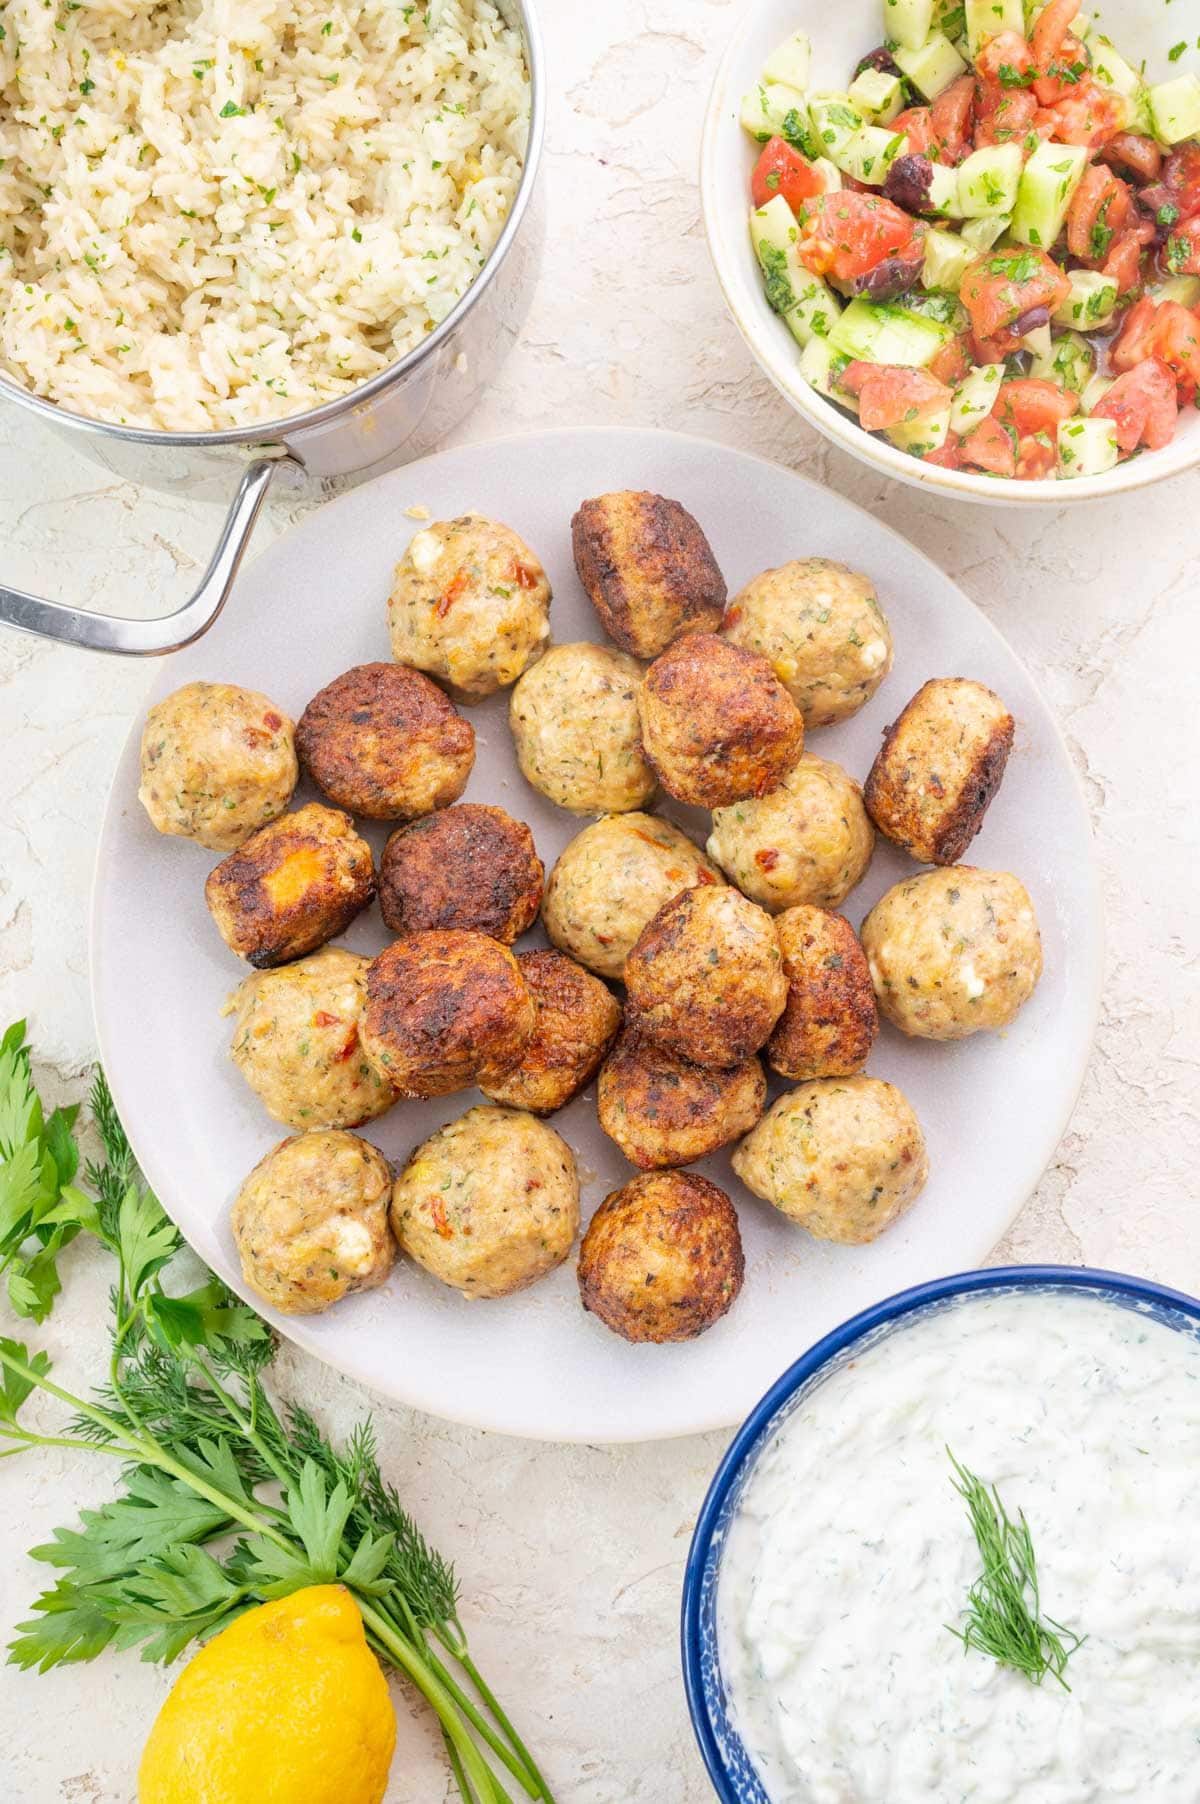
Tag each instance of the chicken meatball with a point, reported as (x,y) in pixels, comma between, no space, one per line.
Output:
(662,1110)
(648,570)
(576,1018)
(218,762)
(662,1258)
(611,879)
(574,718)
(291,886)
(470,604)
(842,1156)
(470,867)
(939,767)
(311,1222)
(953,952)
(295,1041)
(383,741)
(821,628)
(490,1203)
(442,1007)
(808,841)
(717,724)
(830,1021)
(705,978)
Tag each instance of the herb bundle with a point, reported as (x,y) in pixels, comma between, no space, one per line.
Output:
(226,1502)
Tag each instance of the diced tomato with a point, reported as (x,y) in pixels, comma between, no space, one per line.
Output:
(1006,284)
(989,447)
(890,394)
(1129,150)
(953,361)
(1088,114)
(844,234)
(1135,341)
(1100,208)
(947,457)
(994,350)
(916,123)
(1036,457)
(1181,174)
(1143,405)
(782,170)
(1006,61)
(1181,253)
(1124,260)
(1063,74)
(1052,30)
(951,115)
(1013,117)
(1177,339)
(1031,406)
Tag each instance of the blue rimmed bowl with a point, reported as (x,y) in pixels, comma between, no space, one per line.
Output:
(729,1764)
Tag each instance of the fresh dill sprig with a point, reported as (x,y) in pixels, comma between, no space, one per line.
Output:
(1003,1610)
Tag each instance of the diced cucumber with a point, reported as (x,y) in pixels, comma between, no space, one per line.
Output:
(806,304)
(790,62)
(870,153)
(933,67)
(773,110)
(947,260)
(1071,362)
(829,173)
(946,309)
(879,332)
(950,18)
(821,365)
(1112,71)
(988,18)
(908,22)
(982,234)
(975,397)
(1091,302)
(877,95)
(1039,342)
(1175,109)
(1095,392)
(1184,289)
(835,119)
(1050,179)
(1087,447)
(988,181)
(943,191)
(929,432)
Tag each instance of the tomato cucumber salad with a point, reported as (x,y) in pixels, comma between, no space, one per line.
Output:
(988,246)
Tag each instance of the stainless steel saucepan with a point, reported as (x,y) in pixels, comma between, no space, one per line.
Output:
(399,414)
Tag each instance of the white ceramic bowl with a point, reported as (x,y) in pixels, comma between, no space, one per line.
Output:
(839,38)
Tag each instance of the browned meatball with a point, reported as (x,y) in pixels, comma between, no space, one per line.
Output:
(293,885)
(383,741)
(441,1007)
(577,1017)
(470,867)
(939,767)
(717,724)
(662,1258)
(661,1110)
(830,1021)
(705,977)
(648,570)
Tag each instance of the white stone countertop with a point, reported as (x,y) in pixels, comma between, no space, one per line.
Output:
(571,1558)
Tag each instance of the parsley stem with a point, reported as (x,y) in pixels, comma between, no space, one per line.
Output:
(489,1697)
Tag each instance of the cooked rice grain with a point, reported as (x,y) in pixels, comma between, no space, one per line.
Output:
(225,211)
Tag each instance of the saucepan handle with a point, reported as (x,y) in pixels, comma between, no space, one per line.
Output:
(150,638)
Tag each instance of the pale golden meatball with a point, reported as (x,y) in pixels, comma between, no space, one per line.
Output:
(574,719)
(311,1222)
(470,604)
(382,740)
(441,1008)
(470,867)
(706,977)
(291,886)
(576,1019)
(218,762)
(953,952)
(648,570)
(662,1258)
(662,1110)
(830,1021)
(611,879)
(490,1203)
(841,1156)
(717,724)
(821,628)
(295,1041)
(808,841)
(940,765)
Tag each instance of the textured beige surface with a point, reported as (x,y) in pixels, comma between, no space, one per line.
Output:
(571,1558)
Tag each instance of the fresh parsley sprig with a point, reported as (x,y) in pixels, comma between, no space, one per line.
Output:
(226,1500)
(40,1209)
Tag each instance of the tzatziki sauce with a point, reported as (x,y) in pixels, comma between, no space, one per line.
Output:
(851,1555)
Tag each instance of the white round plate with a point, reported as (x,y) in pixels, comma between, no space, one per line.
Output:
(993,1107)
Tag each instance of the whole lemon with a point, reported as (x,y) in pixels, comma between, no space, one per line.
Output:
(285,1706)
